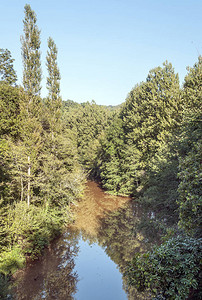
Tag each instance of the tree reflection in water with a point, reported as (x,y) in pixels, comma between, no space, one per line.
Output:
(121,241)
(52,277)
(109,221)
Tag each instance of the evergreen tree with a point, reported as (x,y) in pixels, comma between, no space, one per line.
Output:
(151,114)
(31,53)
(190,153)
(178,253)
(153,110)
(7,72)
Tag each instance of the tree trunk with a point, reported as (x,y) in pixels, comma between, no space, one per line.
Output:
(22,188)
(28,186)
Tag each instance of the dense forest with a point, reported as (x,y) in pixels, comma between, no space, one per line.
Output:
(149,148)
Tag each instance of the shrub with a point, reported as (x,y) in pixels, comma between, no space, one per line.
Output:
(33,227)
(11,260)
(170,271)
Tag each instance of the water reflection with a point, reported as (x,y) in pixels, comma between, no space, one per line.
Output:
(87,263)
(121,240)
(93,208)
(52,277)
(111,222)
(99,278)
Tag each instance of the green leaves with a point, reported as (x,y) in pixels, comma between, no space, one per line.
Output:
(31,56)
(9,110)
(7,72)
(147,120)
(154,153)
(190,150)
(29,229)
(170,270)
(53,80)
(11,261)
(87,122)
(39,171)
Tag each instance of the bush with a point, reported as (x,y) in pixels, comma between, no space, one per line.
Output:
(170,271)
(11,260)
(29,230)
(33,227)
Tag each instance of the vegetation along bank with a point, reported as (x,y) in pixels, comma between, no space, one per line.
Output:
(149,147)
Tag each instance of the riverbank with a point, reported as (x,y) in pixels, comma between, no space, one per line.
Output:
(100,242)
(31,230)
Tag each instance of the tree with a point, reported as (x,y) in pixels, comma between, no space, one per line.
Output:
(190,153)
(33,166)
(152,112)
(53,80)
(31,128)
(159,192)
(111,156)
(172,270)
(54,101)
(7,72)
(9,110)
(20,141)
(88,121)
(30,53)
(9,133)
(32,139)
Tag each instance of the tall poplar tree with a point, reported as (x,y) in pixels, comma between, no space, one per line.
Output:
(53,80)
(52,172)
(31,53)
(31,129)
(54,101)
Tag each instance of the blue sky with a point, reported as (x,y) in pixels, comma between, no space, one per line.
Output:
(106,47)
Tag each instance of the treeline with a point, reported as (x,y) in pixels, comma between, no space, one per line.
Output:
(39,171)
(148,148)
(88,123)
(152,151)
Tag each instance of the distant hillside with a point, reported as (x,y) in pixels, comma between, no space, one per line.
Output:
(70,103)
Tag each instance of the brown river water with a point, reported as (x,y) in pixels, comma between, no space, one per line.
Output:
(88,261)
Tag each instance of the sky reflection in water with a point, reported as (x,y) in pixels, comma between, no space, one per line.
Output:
(87,261)
(99,277)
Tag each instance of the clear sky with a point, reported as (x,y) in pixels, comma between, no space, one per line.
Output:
(106,47)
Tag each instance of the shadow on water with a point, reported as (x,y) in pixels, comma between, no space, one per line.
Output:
(104,230)
(52,276)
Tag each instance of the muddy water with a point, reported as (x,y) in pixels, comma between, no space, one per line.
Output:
(88,261)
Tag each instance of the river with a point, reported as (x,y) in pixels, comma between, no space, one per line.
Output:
(88,261)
